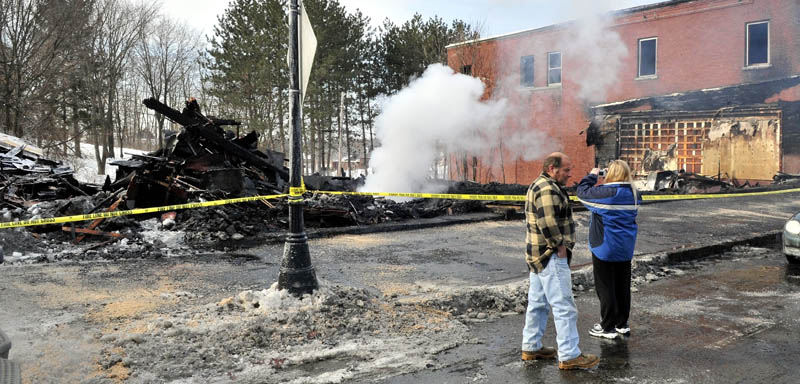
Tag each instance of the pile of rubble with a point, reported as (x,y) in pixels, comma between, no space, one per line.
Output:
(26,176)
(681,182)
(251,223)
(205,161)
(202,162)
(785,178)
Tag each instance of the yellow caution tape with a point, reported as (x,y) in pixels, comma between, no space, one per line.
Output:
(716,195)
(296,193)
(432,195)
(573,198)
(138,211)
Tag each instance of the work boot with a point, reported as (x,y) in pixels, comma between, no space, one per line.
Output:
(542,353)
(583,361)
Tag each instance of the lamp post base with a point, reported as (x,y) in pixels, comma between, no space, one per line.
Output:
(297,275)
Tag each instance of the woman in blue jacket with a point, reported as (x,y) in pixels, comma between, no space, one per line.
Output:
(612,237)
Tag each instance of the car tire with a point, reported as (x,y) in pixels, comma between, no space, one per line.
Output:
(793,259)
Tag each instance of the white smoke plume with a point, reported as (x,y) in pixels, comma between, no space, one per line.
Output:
(439,111)
(598,50)
(442,111)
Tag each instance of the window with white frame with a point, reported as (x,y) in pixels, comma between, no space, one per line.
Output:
(647,56)
(757,49)
(526,71)
(553,68)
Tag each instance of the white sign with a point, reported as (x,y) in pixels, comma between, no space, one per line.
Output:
(308,47)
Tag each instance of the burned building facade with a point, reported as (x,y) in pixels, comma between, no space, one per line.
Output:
(706,86)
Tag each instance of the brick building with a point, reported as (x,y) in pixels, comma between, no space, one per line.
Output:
(708,86)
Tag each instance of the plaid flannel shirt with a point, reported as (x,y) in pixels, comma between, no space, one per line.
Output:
(548,217)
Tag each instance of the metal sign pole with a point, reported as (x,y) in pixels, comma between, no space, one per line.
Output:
(296,273)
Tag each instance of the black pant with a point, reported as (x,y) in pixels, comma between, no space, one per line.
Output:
(612,281)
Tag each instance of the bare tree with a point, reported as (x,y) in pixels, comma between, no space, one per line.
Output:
(33,42)
(117,27)
(166,57)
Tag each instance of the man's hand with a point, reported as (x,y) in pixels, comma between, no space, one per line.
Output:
(562,251)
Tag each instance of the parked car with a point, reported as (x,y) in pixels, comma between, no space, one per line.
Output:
(791,239)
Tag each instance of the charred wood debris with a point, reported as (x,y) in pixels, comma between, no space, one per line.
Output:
(202,162)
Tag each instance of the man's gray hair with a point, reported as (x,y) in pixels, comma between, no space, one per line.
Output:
(554,159)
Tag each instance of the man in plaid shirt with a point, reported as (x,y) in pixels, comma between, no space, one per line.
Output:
(550,238)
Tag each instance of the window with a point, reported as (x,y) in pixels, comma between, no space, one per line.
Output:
(526,71)
(467,69)
(553,68)
(647,57)
(757,43)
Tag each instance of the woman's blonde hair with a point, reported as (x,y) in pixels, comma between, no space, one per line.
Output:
(618,171)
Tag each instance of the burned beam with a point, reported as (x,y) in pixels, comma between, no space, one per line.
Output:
(169,113)
(208,128)
(209,133)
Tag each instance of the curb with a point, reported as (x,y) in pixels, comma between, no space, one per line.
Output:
(441,221)
(318,233)
(694,253)
(641,263)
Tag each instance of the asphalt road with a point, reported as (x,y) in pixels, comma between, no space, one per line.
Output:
(729,319)
(726,319)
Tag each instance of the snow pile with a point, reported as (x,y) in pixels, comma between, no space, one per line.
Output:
(272,336)
(169,241)
(278,302)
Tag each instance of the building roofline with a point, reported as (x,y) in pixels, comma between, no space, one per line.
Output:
(695,91)
(620,12)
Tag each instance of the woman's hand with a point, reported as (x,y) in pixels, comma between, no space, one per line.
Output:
(595,171)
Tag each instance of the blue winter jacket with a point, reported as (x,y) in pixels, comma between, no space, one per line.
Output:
(612,229)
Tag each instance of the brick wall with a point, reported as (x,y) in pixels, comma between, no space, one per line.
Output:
(701,44)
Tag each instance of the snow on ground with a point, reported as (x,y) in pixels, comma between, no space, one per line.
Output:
(173,241)
(86,166)
(336,334)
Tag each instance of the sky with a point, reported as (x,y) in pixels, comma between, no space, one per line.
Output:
(494,17)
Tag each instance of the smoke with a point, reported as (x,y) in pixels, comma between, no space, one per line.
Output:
(442,111)
(439,112)
(595,50)
(529,145)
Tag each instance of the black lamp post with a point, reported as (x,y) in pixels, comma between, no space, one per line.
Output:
(296,274)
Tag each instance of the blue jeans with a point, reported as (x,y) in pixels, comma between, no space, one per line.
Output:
(552,287)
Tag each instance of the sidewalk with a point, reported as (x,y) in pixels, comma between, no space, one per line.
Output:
(675,231)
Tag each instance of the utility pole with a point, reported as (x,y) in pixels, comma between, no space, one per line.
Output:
(340,170)
(296,274)
(347,140)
